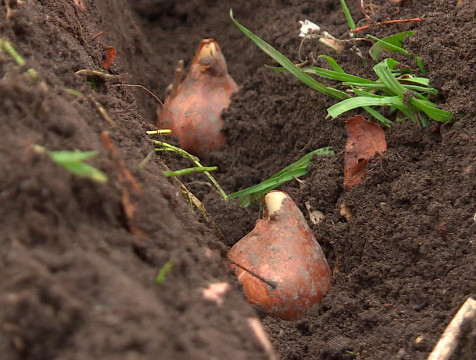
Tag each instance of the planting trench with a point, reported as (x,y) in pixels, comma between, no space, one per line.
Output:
(77,284)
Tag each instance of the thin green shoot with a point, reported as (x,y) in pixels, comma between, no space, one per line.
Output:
(394,43)
(295,170)
(92,81)
(288,64)
(347,14)
(74,92)
(163,272)
(163,146)
(6,46)
(159,132)
(191,170)
(74,162)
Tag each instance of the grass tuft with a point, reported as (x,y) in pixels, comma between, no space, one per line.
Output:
(394,89)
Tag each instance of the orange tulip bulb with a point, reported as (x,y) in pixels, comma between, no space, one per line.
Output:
(280,263)
(193,110)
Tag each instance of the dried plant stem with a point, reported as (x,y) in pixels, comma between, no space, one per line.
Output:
(449,340)
(385,23)
(194,201)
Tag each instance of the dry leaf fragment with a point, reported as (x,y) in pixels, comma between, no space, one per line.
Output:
(315,216)
(110,56)
(366,140)
(345,212)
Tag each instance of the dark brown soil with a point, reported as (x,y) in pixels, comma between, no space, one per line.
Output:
(76,284)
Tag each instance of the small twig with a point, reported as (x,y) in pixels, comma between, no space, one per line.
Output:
(385,23)
(9,10)
(146,160)
(271,283)
(449,340)
(86,72)
(97,35)
(362,6)
(103,113)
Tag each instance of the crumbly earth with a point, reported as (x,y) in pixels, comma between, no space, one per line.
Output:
(78,273)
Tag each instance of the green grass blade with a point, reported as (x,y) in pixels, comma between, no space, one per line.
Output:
(415,80)
(364,93)
(73,162)
(348,16)
(72,156)
(431,110)
(332,63)
(163,272)
(189,170)
(384,89)
(296,169)
(378,116)
(391,43)
(382,69)
(356,102)
(285,62)
(420,63)
(339,76)
(304,161)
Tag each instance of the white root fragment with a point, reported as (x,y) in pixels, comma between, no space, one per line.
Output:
(274,200)
(262,337)
(449,340)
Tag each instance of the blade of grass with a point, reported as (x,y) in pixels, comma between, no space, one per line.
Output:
(431,110)
(347,14)
(295,170)
(384,89)
(73,161)
(333,64)
(415,79)
(391,43)
(378,116)
(286,63)
(339,76)
(382,69)
(163,146)
(354,103)
(189,170)
(305,160)
(163,272)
